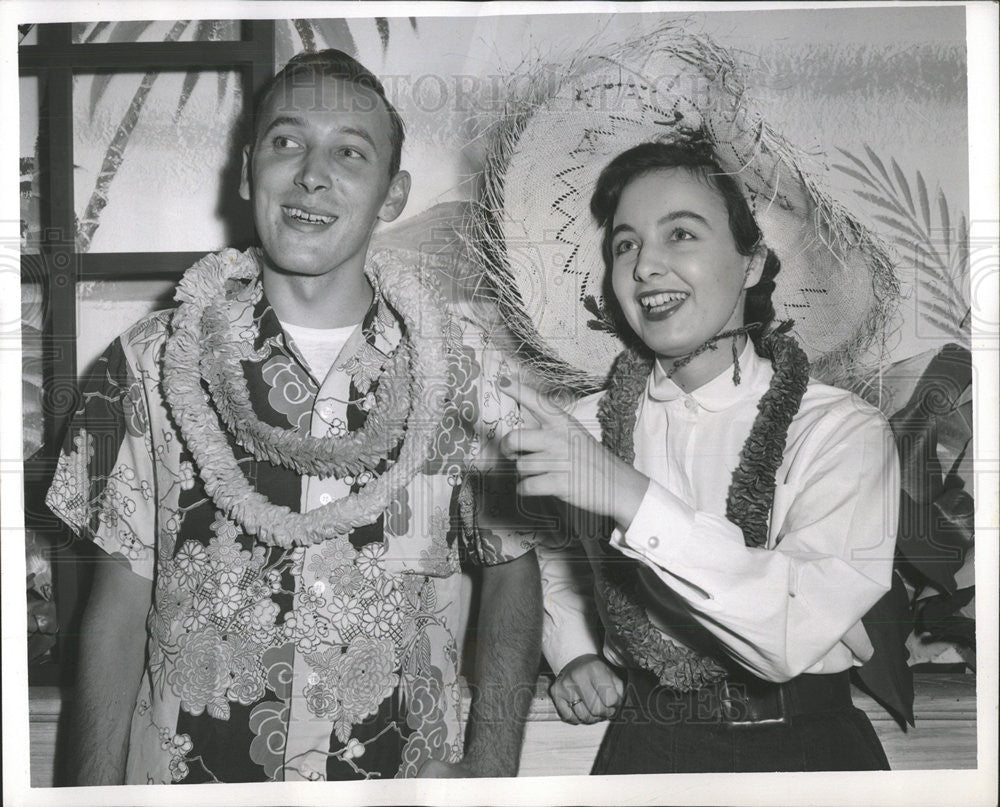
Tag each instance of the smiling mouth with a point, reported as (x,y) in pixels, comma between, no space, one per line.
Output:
(661,304)
(298,214)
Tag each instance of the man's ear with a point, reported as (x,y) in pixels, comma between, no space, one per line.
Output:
(395,197)
(245,175)
(755,265)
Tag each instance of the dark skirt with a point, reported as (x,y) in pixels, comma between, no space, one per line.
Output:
(659,731)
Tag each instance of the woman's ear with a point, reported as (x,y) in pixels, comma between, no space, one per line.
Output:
(755,265)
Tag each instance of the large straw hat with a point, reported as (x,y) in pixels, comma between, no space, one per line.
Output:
(535,238)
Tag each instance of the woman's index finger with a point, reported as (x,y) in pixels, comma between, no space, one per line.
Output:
(529,398)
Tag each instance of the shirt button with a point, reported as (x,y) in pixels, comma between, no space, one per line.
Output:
(653,542)
(689,403)
(325,498)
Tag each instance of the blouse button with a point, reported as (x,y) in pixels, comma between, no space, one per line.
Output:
(325,498)
(689,403)
(653,542)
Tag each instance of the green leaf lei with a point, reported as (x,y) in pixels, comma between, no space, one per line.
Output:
(748,504)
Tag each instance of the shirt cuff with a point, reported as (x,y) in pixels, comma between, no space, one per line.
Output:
(662,518)
(570,624)
(570,640)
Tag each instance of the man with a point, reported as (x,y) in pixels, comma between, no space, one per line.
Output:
(290,541)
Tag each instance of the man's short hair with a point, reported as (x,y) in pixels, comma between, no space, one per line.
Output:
(331,63)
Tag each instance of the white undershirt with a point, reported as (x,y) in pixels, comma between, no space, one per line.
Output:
(319,346)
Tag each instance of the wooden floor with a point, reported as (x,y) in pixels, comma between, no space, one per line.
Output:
(944,737)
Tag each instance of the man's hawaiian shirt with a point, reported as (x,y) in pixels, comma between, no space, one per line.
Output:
(334,661)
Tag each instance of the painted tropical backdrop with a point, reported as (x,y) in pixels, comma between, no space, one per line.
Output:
(879,95)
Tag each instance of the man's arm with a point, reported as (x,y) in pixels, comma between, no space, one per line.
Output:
(112,652)
(507,658)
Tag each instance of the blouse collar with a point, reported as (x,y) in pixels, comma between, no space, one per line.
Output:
(719,393)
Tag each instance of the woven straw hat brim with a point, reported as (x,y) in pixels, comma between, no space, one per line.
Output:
(536,239)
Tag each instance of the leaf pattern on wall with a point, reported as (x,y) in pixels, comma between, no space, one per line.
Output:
(936,538)
(205,31)
(88,224)
(316,34)
(940,255)
(121,32)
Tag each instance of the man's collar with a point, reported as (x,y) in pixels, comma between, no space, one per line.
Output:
(719,393)
(269,326)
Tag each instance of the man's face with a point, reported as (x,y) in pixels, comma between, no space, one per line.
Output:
(319,176)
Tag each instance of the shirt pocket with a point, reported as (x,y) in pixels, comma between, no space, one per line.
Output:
(421,528)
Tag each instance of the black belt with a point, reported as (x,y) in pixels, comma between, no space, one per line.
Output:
(736,701)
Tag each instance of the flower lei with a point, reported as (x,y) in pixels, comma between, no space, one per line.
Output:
(204,344)
(349,454)
(363,449)
(748,504)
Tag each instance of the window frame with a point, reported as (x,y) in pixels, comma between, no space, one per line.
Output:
(59,267)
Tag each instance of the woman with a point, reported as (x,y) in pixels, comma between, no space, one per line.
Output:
(752,509)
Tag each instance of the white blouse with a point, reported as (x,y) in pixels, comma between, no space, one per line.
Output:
(792,607)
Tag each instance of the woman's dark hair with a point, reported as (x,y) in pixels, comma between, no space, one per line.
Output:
(698,158)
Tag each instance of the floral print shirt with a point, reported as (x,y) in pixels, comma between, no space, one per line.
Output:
(335,661)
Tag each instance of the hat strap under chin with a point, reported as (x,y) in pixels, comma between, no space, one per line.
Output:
(711,344)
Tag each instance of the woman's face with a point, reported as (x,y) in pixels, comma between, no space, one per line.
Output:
(676,272)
